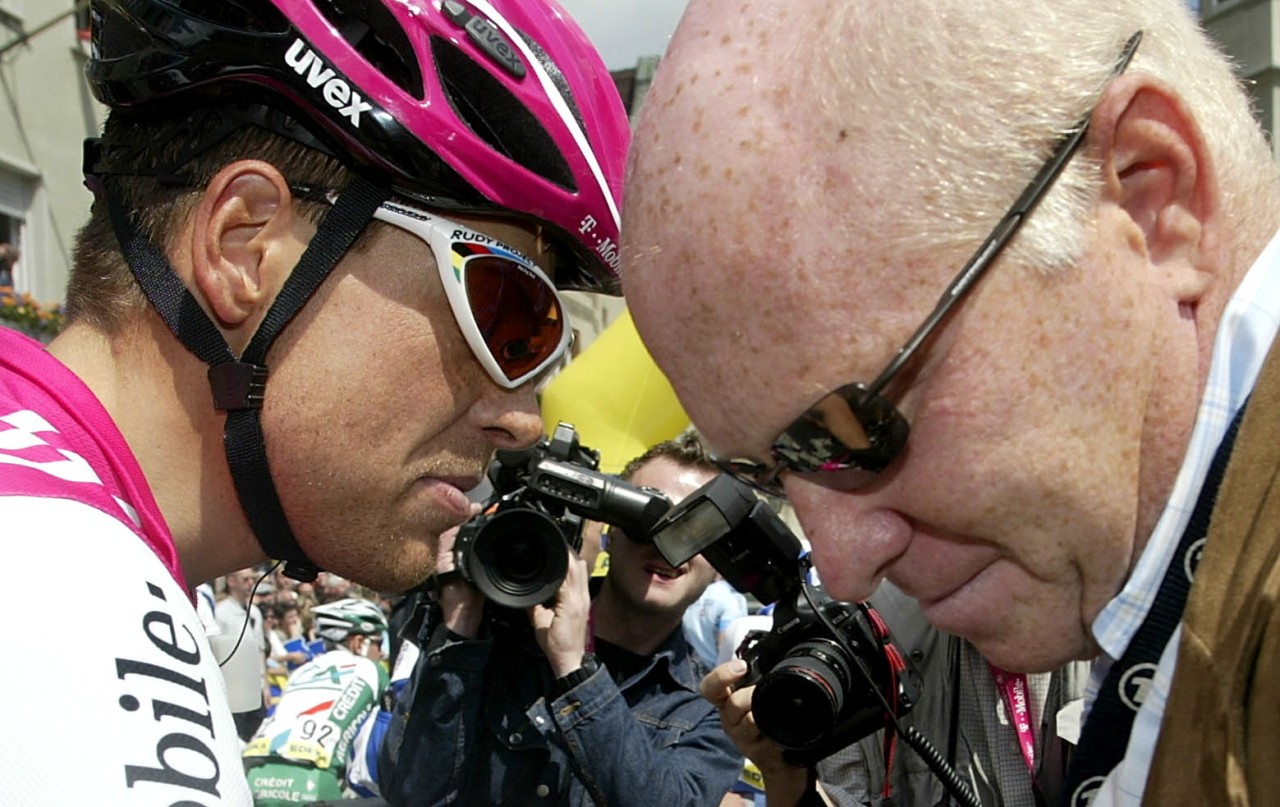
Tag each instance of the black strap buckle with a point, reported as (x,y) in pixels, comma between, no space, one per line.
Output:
(237,385)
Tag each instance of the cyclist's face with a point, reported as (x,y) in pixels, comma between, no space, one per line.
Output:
(379,416)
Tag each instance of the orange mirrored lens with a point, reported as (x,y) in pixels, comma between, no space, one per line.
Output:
(517,312)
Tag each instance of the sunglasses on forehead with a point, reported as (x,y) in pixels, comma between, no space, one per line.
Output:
(506,307)
(854,428)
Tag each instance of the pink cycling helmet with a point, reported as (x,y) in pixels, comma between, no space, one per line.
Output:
(497,106)
(481,105)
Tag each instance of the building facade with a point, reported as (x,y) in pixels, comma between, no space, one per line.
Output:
(46,112)
(1249,31)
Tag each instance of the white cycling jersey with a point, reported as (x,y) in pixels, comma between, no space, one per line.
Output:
(314,726)
(114,697)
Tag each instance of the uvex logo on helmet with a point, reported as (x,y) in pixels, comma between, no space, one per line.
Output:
(334,89)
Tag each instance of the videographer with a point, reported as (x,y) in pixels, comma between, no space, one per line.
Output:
(499,713)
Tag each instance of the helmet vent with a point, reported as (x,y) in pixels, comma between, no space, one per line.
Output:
(557,78)
(112,42)
(497,116)
(370,29)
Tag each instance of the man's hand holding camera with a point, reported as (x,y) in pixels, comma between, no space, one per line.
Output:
(561,628)
(461,604)
(786,782)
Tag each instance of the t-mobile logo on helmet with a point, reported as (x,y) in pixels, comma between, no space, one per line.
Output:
(336,92)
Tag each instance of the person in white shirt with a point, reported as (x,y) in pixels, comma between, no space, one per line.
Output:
(241,651)
(705,621)
(981,286)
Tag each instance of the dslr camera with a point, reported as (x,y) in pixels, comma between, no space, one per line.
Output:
(516,551)
(826,674)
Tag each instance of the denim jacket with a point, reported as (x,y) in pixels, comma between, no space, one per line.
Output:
(478,725)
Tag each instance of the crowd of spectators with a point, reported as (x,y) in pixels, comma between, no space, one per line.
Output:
(288,632)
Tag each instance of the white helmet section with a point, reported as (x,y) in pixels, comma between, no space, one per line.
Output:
(335,621)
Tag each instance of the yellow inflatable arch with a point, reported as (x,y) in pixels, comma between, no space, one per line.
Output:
(615,396)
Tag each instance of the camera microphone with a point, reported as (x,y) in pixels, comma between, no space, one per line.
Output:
(600,497)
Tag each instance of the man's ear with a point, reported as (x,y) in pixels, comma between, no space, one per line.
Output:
(1158,170)
(245,241)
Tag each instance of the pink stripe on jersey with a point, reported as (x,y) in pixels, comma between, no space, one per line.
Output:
(57,441)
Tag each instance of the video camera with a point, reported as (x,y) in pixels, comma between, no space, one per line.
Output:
(516,551)
(826,674)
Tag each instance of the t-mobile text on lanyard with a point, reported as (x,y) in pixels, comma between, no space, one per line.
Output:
(1013,688)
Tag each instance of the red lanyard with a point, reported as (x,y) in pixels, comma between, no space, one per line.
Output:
(1013,687)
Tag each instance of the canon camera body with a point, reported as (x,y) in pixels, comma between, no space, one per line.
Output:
(827,674)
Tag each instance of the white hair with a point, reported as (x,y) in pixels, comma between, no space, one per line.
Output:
(980,91)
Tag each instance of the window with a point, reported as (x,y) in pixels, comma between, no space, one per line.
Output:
(16,193)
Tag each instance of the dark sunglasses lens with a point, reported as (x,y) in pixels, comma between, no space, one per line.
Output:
(847,429)
(517,312)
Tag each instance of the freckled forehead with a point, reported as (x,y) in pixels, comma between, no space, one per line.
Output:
(721,92)
(729,234)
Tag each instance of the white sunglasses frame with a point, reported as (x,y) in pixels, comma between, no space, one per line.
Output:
(440,234)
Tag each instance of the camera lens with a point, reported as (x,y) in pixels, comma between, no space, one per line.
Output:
(519,558)
(799,701)
(523,558)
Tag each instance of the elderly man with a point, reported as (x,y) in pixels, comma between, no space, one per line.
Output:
(1038,237)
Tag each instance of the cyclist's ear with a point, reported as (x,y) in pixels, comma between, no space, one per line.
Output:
(245,236)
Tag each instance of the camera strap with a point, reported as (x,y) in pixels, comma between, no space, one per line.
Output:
(439,580)
(1110,722)
(897,667)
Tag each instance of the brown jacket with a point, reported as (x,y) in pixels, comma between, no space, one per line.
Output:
(1220,739)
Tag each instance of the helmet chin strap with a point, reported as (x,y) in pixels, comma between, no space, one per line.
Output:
(239,384)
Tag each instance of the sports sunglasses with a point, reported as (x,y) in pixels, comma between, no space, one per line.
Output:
(506,307)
